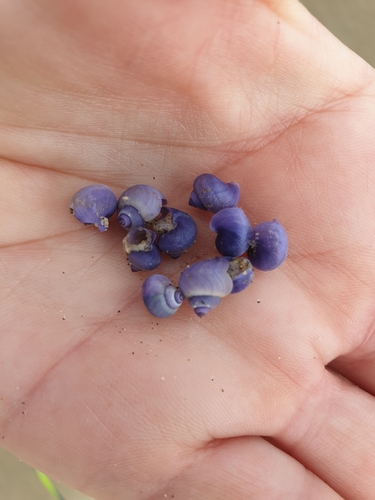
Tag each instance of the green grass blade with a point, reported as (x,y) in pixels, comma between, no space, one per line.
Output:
(49,486)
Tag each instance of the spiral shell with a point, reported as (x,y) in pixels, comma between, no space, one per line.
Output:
(129,217)
(241,272)
(268,245)
(210,193)
(160,297)
(94,205)
(139,245)
(176,231)
(205,283)
(233,231)
(146,202)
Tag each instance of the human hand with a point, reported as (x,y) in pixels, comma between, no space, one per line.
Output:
(239,404)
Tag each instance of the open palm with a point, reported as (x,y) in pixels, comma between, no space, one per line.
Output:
(239,404)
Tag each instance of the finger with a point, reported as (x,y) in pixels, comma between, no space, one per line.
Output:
(245,468)
(333,434)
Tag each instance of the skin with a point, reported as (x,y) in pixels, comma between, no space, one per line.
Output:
(269,396)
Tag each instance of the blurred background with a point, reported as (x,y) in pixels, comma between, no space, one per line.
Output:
(353,22)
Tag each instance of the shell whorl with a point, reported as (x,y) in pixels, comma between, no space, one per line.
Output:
(160,297)
(147,200)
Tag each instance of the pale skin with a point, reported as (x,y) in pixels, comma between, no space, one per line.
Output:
(271,395)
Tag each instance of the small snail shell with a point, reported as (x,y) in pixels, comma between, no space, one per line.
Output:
(177,231)
(241,272)
(205,283)
(129,217)
(233,231)
(147,202)
(160,297)
(210,193)
(268,245)
(143,254)
(93,205)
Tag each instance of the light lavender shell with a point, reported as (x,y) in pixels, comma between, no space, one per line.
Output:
(94,205)
(147,200)
(205,283)
(160,297)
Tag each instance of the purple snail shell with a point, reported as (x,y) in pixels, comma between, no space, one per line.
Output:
(233,231)
(210,193)
(161,298)
(143,254)
(129,217)
(139,204)
(205,283)
(268,245)
(241,272)
(94,205)
(176,231)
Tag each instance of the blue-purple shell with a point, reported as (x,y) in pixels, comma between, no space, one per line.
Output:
(268,245)
(147,202)
(143,254)
(176,231)
(233,231)
(160,297)
(241,272)
(205,283)
(94,205)
(210,193)
(129,217)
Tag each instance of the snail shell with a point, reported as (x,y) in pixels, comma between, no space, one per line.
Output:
(160,297)
(210,193)
(140,247)
(241,272)
(146,202)
(268,245)
(94,205)
(129,217)
(233,231)
(176,231)
(205,283)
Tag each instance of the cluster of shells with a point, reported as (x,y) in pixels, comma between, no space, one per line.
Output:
(152,228)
